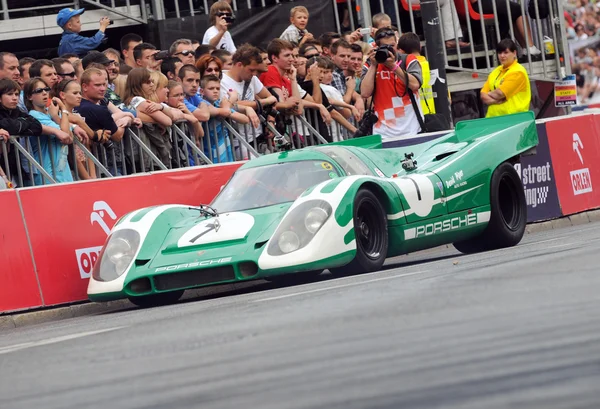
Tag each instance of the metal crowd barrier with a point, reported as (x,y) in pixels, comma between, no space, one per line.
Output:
(138,152)
(480,56)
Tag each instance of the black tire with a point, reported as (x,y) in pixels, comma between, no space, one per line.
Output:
(508,213)
(295,278)
(156,300)
(371,234)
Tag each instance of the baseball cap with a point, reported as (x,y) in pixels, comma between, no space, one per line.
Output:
(65,15)
(95,56)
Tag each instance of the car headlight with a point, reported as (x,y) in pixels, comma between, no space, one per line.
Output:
(299,227)
(315,218)
(288,241)
(116,255)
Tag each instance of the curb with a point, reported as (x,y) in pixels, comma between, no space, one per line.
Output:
(21,319)
(86,308)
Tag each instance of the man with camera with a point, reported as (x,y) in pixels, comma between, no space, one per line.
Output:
(389,77)
(218,35)
(71,41)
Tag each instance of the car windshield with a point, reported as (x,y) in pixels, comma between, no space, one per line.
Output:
(272,184)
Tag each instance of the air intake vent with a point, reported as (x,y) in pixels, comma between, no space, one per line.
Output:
(193,278)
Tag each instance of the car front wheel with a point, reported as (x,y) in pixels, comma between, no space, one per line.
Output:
(371,234)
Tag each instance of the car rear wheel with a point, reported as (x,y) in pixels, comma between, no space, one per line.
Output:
(156,300)
(371,234)
(508,213)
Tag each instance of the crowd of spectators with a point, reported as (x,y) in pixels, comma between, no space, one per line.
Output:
(95,97)
(582,23)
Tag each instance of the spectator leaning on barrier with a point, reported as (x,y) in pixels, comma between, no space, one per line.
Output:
(189,76)
(507,89)
(176,100)
(218,35)
(386,83)
(71,42)
(242,79)
(49,151)
(341,53)
(278,79)
(94,108)
(139,90)
(128,43)
(15,121)
(220,149)
(45,70)
(183,50)
(9,66)
(69,92)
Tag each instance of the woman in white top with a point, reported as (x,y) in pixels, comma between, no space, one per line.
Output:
(218,34)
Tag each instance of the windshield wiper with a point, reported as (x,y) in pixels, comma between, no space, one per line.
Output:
(206,210)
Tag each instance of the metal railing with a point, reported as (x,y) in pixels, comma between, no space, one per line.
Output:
(138,152)
(464,64)
(135,10)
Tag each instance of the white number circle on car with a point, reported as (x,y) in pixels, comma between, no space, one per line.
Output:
(418,192)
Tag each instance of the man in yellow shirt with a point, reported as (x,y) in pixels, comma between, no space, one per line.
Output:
(507,89)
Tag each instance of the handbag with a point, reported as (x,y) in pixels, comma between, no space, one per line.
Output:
(429,122)
(365,125)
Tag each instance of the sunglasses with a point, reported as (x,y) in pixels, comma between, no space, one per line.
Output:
(384,34)
(67,74)
(185,53)
(212,70)
(309,56)
(40,90)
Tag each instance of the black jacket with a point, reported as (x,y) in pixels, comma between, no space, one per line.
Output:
(18,123)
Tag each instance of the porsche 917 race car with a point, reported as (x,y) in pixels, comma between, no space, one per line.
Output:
(345,207)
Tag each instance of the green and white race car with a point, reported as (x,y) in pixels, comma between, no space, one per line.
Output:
(345,207)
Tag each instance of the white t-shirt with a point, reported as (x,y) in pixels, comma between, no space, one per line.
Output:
(226,42)
(254,89)
(333,93)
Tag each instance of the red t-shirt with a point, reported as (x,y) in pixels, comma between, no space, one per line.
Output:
(273,79)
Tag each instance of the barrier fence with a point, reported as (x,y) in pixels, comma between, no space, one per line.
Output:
(53,234)
(29,162)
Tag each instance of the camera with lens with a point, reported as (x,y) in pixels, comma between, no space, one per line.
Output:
(383,53)
(227,16)
(109,145)
(365,126)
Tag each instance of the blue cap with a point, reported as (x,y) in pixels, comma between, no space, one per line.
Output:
(65,15)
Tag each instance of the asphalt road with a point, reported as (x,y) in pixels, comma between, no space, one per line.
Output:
(514,328)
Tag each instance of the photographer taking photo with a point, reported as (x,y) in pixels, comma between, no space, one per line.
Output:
(218,35)
(387,78)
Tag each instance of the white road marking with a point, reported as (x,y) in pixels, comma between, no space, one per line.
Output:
(25,345)
(333,287)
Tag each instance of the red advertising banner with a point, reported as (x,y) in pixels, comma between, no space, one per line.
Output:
(18,284)
(69,223)
(575,149)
